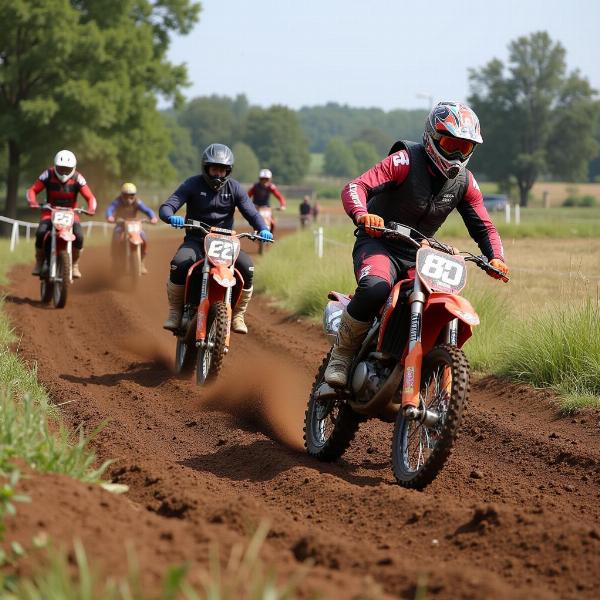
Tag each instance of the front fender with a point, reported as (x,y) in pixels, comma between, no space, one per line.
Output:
(66,234)
(223,276)
(439,310)
(135,239)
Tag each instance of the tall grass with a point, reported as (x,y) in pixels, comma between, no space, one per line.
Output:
(558,348)
(244,576)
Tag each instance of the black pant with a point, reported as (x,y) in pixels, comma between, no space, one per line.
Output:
(378,266)
(46,226)
(192,250)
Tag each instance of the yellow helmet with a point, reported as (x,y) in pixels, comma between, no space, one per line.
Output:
(128,188)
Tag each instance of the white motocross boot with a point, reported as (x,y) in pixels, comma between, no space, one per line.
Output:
(350,336)
(175,296)
(239,312)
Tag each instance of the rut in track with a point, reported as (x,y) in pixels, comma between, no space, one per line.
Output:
(514,514)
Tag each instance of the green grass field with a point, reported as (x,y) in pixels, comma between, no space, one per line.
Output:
(536,316)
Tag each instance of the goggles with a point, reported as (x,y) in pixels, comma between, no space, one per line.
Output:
(452,145)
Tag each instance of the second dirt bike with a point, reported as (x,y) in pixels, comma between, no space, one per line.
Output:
(56,274)
(131,245)
(410,368)
(212,288)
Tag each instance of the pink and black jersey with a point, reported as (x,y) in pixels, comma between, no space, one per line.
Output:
(404,187)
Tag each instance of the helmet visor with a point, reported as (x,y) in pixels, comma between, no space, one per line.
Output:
(64,170)
(451,145)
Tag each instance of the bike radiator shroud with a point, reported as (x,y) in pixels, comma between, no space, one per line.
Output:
(396,331)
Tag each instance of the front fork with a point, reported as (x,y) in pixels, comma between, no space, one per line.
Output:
(204,308)
(414,357)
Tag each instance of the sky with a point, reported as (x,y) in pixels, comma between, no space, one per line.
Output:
(381,53)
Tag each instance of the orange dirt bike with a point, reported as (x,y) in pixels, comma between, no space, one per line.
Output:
(56,275)
(212,288)
(130,245)
(410,369)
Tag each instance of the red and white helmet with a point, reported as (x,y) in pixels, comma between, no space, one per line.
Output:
(64,165)
(451,134)
(265,174)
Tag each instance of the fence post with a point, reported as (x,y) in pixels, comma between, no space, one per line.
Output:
(320,243)
(14,236)
(89,229)
(507,212)
(517,214)
(27,232)
(104,228)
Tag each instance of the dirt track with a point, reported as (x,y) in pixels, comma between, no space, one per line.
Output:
(515,513)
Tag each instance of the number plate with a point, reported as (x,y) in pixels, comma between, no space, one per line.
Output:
(63,218)
(441,272)
(221,250)
(134,226)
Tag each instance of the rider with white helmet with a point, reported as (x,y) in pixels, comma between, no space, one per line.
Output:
(62,183)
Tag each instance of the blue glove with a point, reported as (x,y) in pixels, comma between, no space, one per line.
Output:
(176,221)
(266,235)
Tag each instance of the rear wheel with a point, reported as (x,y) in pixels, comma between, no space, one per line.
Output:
(63,279)
(329,425)
(185,357)
(210,358)
(45,290)
(420,447)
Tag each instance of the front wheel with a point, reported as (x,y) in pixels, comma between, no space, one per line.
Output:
(329,425)
(63,279)
(210,358)
(420,447)
(135,264)
(46,286)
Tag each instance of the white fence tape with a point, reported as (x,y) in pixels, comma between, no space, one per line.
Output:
(14,234)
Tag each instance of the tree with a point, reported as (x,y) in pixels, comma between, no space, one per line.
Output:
(246,163)
(183,154)
(365,155)
(85,75)
(339,159)
(381,141)
(535,118)
(275,136)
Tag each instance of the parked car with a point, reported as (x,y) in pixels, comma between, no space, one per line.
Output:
(495,202)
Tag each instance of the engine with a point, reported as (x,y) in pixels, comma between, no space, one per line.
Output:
(367,378)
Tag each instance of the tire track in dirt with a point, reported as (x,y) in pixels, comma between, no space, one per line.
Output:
(514,514)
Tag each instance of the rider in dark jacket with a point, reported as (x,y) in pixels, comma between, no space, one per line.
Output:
(212,198)
(418,185)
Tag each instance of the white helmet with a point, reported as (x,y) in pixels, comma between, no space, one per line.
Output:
(265,174)
(64,165)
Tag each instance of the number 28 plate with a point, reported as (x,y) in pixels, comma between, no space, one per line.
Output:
(441,272)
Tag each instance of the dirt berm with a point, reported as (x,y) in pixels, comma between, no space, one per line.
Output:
(515,514)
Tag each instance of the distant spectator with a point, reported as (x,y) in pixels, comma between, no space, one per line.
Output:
(305,211)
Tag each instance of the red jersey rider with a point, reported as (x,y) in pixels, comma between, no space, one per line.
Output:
(418,185)
(62,184)
(261,192)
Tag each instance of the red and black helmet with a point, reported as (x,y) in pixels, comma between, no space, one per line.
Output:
(451,134)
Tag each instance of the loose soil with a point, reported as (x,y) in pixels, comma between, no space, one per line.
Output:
(515,513)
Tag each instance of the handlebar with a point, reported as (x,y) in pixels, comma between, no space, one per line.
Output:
(205,228)
(61,208)
(120,221)
(404,232)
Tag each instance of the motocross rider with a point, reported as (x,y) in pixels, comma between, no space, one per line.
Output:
(261,192)
(62,184)
(417,185)
(126,206)
(212,198)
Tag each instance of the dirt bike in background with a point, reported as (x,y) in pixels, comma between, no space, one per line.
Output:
(56,274)
(410,369)
(128,250)
(213,286)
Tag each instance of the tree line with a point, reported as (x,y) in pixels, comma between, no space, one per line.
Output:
(90,81)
